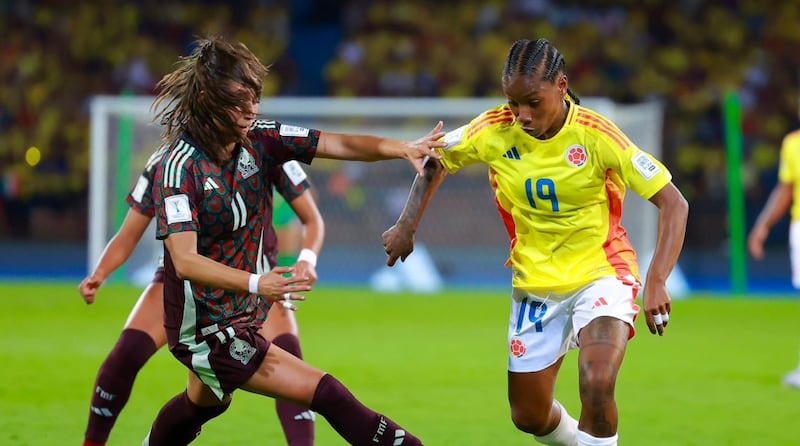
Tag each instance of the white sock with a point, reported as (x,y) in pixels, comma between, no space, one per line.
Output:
(565,434)
(585,439)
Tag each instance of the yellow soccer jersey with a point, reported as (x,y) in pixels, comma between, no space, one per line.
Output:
(789,170)
(561,198)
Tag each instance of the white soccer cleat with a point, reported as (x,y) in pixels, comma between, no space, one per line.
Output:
(792,379)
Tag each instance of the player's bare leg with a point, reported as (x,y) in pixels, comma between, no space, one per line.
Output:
(141,337)
(534,409)
(282,375)
(602,347)
(297,421)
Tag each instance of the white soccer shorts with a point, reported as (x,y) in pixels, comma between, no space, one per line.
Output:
(794,252)
(542,328)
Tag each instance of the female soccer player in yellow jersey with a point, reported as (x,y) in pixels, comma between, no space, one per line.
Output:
(785,196)
(559,172)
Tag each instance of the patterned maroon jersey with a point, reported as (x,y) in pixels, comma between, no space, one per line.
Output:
(290,181)
(225,206)
(141,197)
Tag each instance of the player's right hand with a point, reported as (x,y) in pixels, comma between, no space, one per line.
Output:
(398,244)
(88,288)
(416,152)
(755,241)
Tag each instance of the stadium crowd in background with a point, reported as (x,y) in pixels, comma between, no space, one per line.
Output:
(685,54)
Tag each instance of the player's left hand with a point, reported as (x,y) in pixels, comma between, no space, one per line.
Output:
(417,151)
(398,244)
(657,306)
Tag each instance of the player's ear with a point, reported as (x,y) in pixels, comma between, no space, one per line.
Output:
(562,83)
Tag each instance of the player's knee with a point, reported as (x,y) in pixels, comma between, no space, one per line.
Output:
(597,381)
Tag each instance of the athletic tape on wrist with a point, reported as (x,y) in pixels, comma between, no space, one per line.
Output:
(307,255)
(252,284)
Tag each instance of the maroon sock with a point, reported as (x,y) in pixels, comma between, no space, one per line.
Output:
(356,423)
(114,382)
(297,421)
(179,421)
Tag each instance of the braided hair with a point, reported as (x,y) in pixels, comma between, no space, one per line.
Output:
(198,95)
(536,57)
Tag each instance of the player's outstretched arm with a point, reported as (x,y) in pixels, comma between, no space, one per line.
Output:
(374,148)
(305,207)
(398,241)
(673,211)
(116,252)
(780,199)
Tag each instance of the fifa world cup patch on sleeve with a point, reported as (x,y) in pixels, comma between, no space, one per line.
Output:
(293,130)
(645,165)
(454,137)
(140,189)
(178,210)
(295,173)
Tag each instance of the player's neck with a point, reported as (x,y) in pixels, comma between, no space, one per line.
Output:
(559,123)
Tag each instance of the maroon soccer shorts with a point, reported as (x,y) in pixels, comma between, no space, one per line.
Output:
(226,358)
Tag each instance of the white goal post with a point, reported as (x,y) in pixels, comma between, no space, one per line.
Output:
(467,249)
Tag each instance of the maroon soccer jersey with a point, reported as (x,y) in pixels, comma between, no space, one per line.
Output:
(140,199)
(290,183)
(225,206)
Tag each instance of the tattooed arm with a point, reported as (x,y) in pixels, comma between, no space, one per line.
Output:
(398,241)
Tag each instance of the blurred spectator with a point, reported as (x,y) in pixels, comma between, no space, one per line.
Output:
(686,54)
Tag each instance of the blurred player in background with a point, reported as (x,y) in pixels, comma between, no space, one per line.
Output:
(559,172)
(143,333)
(213,270)
(781,199)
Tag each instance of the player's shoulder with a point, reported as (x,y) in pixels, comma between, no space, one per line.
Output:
(182,155)
(792,138)
(598,125)
(491,121)
(156,157)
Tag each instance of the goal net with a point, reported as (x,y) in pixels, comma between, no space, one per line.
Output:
(461,237)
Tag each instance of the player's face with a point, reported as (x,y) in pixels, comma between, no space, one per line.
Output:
(244,116)
(538,105)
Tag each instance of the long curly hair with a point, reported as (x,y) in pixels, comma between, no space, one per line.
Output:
(198,96)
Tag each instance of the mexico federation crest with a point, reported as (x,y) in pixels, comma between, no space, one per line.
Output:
(247,164)
(517,347)
(576,155)
(241,351)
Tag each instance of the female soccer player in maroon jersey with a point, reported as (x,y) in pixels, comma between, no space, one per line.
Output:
(144,333)
(213,270)
(559,172)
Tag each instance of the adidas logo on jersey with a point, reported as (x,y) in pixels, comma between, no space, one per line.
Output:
(210,184)
(512,153)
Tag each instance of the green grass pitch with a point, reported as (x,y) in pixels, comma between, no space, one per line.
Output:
(436,364)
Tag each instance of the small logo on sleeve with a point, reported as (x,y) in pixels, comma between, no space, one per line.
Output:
(140,189)
(293,130)
(178,210)
(645,165)
(294,172)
